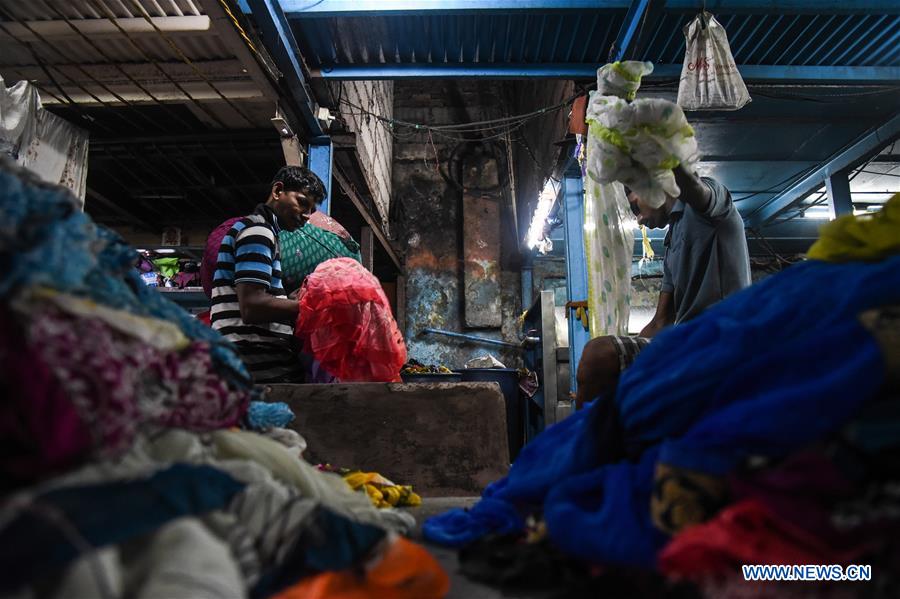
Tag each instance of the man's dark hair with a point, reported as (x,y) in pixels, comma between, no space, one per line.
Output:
(300,178)
(627,190)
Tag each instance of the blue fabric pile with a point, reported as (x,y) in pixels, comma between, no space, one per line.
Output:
(765,372)
(45,240)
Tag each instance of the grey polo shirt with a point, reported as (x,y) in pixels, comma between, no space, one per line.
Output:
(706,253)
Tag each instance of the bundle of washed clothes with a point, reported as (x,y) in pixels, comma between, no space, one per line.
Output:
(765,431)
(137,458)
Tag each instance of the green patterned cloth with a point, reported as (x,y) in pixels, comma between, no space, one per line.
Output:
(304,249)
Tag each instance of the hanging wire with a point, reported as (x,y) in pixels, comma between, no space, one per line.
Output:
(112,62)
(111,17)
(459,131)
(184,58)
(59,53)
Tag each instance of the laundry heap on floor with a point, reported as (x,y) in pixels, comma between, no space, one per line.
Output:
(764,431)
(130,467)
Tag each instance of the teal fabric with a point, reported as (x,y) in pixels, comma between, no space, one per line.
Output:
(304,249)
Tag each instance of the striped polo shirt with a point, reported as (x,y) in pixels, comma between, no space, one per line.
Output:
(250,254)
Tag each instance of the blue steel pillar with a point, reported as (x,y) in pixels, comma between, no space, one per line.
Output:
(576,264)
(527,282)
(320,157)
(840,201)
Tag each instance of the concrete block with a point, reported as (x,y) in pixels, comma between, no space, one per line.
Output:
(445,439)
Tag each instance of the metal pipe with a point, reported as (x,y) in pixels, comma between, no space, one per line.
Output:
(769,73)
(475,338)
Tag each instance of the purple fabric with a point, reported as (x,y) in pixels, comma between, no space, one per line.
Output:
(118,384)
(42,432)
(184,279)
(211,254)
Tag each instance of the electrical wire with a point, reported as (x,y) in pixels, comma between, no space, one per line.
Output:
(111,17)
(45,68)
(184,58)
(458,131)
(771,189)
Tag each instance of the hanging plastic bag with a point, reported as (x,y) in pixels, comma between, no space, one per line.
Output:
(710,79)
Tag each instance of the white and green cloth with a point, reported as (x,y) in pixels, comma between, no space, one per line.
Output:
(639,142)
(304,249)
(631,142)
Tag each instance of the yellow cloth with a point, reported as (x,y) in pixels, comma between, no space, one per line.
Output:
(647,247)
(382,492)
(867,237)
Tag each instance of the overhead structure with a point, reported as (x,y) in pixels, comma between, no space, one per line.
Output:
(800,40)
(772,154)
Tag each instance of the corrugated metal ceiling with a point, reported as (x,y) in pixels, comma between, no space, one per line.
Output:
(585,37)
(196,46)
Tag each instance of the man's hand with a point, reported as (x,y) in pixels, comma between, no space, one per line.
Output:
(664,316)
(258,307)
(694,192)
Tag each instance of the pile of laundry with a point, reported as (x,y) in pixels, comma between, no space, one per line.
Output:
(765,431)
(169,271)
(138,459)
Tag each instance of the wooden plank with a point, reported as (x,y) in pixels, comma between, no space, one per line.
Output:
(370,220)
(367,248)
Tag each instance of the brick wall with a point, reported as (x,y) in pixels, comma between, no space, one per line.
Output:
(374,143)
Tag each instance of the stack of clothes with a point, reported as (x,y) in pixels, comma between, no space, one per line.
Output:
(137,458)
(765,431)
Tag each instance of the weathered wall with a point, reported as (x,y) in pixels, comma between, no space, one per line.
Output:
(374,143)
(430,209)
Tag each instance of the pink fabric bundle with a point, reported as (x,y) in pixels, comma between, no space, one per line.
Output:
(346,324)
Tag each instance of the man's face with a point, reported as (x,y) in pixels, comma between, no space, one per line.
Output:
(293,208)
(655,218)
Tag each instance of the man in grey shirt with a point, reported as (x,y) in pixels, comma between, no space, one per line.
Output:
(706,260)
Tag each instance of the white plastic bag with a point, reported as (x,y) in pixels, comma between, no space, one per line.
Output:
(710,79)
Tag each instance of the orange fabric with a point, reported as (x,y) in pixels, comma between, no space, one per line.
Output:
(406,571)
(346,324)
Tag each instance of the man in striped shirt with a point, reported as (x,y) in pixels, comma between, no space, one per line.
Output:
(249,303)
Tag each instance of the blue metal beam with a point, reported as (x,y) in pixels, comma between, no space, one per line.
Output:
(332,8)
(279,41)
(798,74)
(860,150)
(640,23)
(576,265)
(320,162)
(357,8)
(840,202)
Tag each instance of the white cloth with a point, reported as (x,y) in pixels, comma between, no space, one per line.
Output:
(608,245)
(47,145)
(636,143)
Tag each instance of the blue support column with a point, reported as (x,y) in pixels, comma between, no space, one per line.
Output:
(527,282)
(839,199)
(576,264)
(320,157)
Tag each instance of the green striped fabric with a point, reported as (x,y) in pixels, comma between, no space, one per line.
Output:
(304,249)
